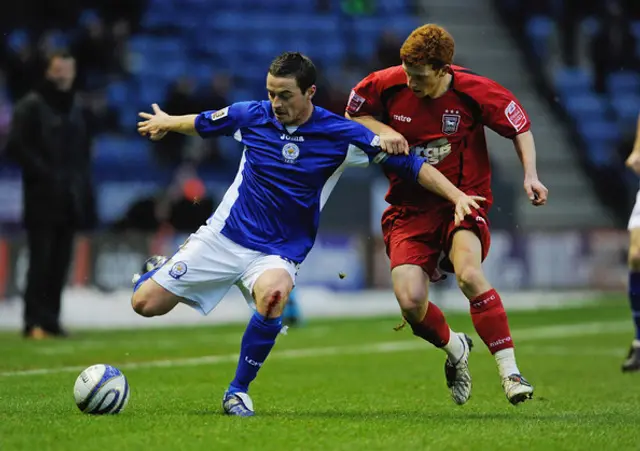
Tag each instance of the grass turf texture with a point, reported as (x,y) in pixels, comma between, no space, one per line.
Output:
(353,393)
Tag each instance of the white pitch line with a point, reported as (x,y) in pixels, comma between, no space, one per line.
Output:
(530,334)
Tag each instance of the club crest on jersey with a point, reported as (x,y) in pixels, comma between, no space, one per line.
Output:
(450,122)
(290,152)
(178,270)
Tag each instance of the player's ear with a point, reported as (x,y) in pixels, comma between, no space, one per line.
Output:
(311,92)
(444,70)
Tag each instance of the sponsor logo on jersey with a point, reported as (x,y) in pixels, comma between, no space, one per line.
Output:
(433,152)
(290,152)
(401,118)
(215,115)
(286,137)
(450,121)
(355,102)
(178,270)
(515,115)
(375,142)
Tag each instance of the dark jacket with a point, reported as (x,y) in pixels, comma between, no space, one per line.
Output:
(49,138)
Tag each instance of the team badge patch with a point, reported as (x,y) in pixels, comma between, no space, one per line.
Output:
(290,152)
(355,102)
(178,270)
(215,115)
(515,116)
(450,122)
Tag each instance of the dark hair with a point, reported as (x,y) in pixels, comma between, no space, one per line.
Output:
(295,65)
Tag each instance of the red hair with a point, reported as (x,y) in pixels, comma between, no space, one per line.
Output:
(428,44)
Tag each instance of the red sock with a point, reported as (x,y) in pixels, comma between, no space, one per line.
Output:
(433,327)
(490,321)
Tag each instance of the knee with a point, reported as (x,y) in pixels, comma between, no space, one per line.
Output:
(634,258)
(145,303)
(470,279)
(271,296)
(142,304)
(412,298)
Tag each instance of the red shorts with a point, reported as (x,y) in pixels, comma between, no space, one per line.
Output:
(415,236)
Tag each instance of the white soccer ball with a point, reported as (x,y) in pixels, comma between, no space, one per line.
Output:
(101,389)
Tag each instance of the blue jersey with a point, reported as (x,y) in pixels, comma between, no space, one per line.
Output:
(287,173)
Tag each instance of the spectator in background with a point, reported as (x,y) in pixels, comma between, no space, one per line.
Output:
(214,97)
(614,47)
(387,53)
(183,207)
(94,48)
(22,64)
(180,99)
(49,139)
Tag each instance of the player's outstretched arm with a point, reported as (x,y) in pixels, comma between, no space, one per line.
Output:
(391,141)
(633,161)
(158,124)
(526,149)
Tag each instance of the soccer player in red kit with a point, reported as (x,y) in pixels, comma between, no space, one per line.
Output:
(433,108)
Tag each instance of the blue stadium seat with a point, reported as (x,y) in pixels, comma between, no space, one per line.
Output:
(623,83)
(117,94)
(538,30)
(570,81)
(584,107)
(600,155)
(626,107)
(599,133)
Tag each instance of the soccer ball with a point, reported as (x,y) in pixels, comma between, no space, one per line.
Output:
(101,389)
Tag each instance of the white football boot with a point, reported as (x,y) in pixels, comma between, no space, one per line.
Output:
(457,374)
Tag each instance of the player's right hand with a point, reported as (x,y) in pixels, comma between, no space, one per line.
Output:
(633,162)
(155,125)
(394,143)
(464,207)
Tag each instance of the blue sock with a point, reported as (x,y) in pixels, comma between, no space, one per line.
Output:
(144,277)
(257,342)
(634,299)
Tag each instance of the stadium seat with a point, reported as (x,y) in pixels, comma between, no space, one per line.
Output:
(538,30)
(599,132)
(626,108)
(117,94)
(584,107)
(623,83)
(600,155)
(571,81)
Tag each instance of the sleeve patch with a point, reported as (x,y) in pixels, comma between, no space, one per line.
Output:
(380,158)
(515,115)
(215,115)
(355,102)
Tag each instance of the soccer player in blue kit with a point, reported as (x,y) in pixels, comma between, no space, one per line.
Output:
(294,154)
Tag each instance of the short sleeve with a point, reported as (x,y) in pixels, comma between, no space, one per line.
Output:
(364,99)
(502,112)
(225,121)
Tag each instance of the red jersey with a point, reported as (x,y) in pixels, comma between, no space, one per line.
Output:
(448,131)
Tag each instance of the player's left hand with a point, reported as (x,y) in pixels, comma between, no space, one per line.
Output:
(536,191)
(464,207)
(155,125)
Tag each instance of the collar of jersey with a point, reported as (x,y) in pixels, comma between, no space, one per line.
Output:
(272,118)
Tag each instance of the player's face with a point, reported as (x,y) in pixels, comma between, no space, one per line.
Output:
(290,105)
(62,73)
(423,80)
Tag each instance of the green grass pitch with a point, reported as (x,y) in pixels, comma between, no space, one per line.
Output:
(331,385)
